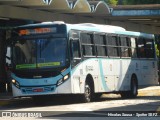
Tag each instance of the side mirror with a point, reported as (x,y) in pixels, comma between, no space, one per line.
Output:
(8,58)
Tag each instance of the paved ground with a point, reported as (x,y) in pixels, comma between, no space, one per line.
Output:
(146,104)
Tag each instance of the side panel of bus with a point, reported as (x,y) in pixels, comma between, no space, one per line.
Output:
(148,73)
(112,72)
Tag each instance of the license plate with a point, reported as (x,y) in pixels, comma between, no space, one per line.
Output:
(38,90)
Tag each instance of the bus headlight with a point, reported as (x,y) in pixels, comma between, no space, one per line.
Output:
(66,77)
(59,82)
(14,82)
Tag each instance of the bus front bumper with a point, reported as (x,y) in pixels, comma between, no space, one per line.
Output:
(64,88)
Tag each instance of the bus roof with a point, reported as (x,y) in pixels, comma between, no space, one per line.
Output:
(102,28)
(108,29)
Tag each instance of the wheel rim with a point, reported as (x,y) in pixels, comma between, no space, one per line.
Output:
(87,92)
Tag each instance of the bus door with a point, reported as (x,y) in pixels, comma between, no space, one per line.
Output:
(75,63)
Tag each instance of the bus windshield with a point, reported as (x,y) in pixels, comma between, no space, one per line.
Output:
(40,53)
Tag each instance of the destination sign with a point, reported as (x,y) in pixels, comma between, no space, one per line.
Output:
(37,31)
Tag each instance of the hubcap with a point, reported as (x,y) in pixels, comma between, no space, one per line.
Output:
(87,92)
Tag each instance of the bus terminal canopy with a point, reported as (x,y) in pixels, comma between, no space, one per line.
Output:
(68,6)
(132,17)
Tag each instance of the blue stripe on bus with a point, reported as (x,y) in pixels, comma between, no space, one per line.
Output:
(102,75)
(101,72)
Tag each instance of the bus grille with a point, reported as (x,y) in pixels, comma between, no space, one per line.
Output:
(31,90)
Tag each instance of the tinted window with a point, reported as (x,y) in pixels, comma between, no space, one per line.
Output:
(101,51)
(99,39)
(125,47)
(141,48)
(76,49)
(133,48)
(87,38)
(87,44)
(112,40)
(149,48)
(100,44)
(112,46)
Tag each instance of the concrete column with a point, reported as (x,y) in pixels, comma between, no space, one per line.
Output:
(3,76)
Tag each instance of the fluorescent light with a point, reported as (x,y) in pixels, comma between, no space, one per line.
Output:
(3,18)
(136,19)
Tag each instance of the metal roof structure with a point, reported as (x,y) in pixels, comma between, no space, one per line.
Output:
(142,14)
(44,10)
(67,6)
(81,11)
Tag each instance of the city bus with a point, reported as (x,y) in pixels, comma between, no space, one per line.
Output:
(86,59)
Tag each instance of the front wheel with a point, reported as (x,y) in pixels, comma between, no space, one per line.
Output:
(88,93)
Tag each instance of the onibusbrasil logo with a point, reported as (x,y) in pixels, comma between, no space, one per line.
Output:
(47,1)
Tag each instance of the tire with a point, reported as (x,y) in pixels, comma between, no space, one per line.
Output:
(124,94)
(97,96)
(88,93)
(133,89)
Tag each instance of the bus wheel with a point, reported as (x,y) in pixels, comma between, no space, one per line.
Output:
(125,94)
(134,87)
(97,96)
(88,92)
(133,92)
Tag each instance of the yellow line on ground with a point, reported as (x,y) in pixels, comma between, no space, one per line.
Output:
(4,102)
(153,92)
(158,110)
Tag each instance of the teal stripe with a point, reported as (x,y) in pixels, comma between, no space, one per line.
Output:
(102,75)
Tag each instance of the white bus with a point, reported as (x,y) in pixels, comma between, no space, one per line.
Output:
(85,59)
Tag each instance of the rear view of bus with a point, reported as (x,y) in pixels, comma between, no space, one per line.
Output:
(39,60)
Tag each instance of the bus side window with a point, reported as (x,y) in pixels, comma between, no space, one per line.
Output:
(87,44)
(141,48)
(125,47)
(112,46)
(100,44)
(133,48)
(149,48)
(75,49)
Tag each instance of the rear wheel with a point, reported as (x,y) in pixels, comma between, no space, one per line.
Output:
(133,89)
